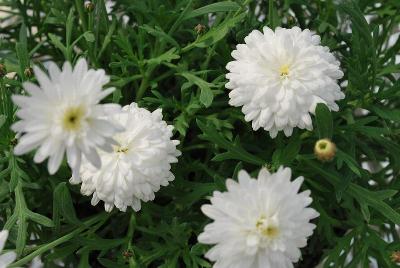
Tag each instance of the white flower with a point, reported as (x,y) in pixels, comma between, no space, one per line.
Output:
(9,257)
(259,223)
(64,115)
(279,77)
(137,167)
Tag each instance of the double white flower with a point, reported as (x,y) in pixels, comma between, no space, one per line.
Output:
(136,168)
(259,223)
(279,77)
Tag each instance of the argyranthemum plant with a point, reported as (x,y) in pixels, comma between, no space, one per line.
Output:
(137,166)
(280,76)
(64,116)
(259,223)
(318,79)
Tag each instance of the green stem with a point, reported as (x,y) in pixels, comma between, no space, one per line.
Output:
(53,244)
(144,84)
(131,229)
(80,7)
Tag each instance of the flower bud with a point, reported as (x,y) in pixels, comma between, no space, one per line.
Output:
(325,150)
(200,28)
(395,256)
(28,72)
(89,6)
(3,70)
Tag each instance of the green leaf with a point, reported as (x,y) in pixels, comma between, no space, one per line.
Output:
(62,199)
(42,220)
(387,113)
(324,121)
(160,34)
(290,152)
(216,33)
(358,20)
(350,162)
(69,26)
(224,6)
(235,151)
(167,56)
(3,119)
(21,48)
(364,196)
(369,198)
(385,194)
(89,36)
(206,95)
(55,40)
(110,264)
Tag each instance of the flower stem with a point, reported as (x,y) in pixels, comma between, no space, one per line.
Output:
(53,244)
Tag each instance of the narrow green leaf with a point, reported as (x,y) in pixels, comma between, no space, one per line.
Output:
(224,6)
(324,121)
(3,119)
(290,152)
(55,40)
(42,220)
(62,198)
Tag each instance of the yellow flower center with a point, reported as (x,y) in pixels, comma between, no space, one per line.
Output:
(121,149)
(72,119)
(267,228)
(284,71)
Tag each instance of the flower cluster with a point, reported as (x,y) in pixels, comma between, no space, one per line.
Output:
(125,153)
(122,156)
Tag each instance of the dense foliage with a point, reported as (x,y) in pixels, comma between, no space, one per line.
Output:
(172,55)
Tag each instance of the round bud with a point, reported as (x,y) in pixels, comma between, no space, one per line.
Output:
(28,72)
(200,28)
(325,150)
(89,6)
(395,256)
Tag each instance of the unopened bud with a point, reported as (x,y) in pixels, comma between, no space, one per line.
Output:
(325,150)
(200,28)
(3,70)
(28,72)
(89,6)
(395,256)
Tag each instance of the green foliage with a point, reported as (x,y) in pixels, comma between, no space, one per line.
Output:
(158,59)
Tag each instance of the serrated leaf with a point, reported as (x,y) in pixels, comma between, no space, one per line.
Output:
(235,150)
(167,56)
(206,95)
